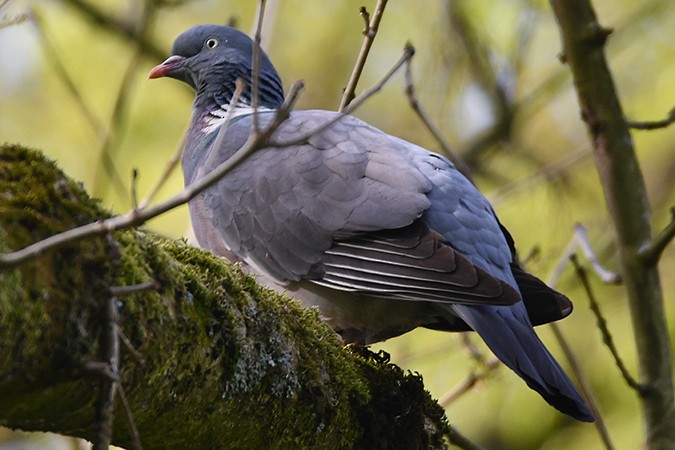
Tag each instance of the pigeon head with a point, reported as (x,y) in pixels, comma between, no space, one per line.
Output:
(210,58)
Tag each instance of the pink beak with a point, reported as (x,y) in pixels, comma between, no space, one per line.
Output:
(164,69)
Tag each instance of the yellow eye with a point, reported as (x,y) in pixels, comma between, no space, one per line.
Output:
(211,43)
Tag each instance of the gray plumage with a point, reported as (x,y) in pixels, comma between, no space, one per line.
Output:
(381,235)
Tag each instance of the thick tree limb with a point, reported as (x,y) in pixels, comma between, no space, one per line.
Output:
(224,362)
(583,41)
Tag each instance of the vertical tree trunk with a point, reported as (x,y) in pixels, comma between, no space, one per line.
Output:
(583,50)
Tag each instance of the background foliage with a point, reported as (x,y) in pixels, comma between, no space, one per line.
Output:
(486,72)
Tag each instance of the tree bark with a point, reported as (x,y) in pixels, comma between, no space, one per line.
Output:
(223,362)
(583,42)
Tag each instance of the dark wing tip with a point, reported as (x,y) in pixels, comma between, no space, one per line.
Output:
(543,303)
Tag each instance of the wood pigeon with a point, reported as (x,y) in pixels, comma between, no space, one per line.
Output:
(381,235)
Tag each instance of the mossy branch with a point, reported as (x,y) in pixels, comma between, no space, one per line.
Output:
(583,42)
(224,363)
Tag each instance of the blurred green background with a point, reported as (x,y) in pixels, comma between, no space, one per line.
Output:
(488,74)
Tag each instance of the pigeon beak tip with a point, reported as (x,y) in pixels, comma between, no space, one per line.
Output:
(164,69)
(157,72)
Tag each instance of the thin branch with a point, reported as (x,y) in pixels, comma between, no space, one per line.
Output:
(74,91)
(556,169)
(170,166)
(408,53)
(486,76)
(125,29)
(471,349)
(63,74)
(138,356)
(652,253)
(582,382)
(120,291)
(134,188)
(580,240)
(604,329)
(468,383)
(464,386)
(120,108)
(110,348)
(255,67)
(581,235)
(583,385)
(433,129)
(459,440)
(528,21)
(654,125)
(365,15)
(108,146)
(240,85)
(369,32)
(135,435)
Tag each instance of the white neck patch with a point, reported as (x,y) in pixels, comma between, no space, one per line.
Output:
(216,118)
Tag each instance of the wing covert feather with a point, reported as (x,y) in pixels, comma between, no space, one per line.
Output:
(295,200)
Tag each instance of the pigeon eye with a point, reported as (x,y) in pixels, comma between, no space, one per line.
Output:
(211,43)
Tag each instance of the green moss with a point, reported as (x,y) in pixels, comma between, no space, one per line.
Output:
(224,362)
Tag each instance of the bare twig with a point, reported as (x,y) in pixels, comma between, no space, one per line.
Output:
(653,252)
(106,159)
(581,235)
(110,357)
(654,125)
(138,356)
(135,435)
(433,129)
(134,188)
(74,91)
(580,240)
(487,366)
(582,382)
(528,21)
(471,349)
(468,383)
(119,291)
(458,439)
(485,74)
(583,385)
(408,53)
(602,326)
(255,67)
(556,169)
(63,74)
(120,108)
(369,32)
(125,29)
(365,15)
(170,166)
(222,132)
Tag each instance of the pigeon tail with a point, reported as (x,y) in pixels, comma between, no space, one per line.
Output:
(507,332)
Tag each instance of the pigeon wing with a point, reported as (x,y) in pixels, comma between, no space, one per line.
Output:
(281,209)
(343,210)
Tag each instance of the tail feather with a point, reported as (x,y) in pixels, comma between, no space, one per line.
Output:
(508,333)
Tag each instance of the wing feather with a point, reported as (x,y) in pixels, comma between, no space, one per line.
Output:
(411,263)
